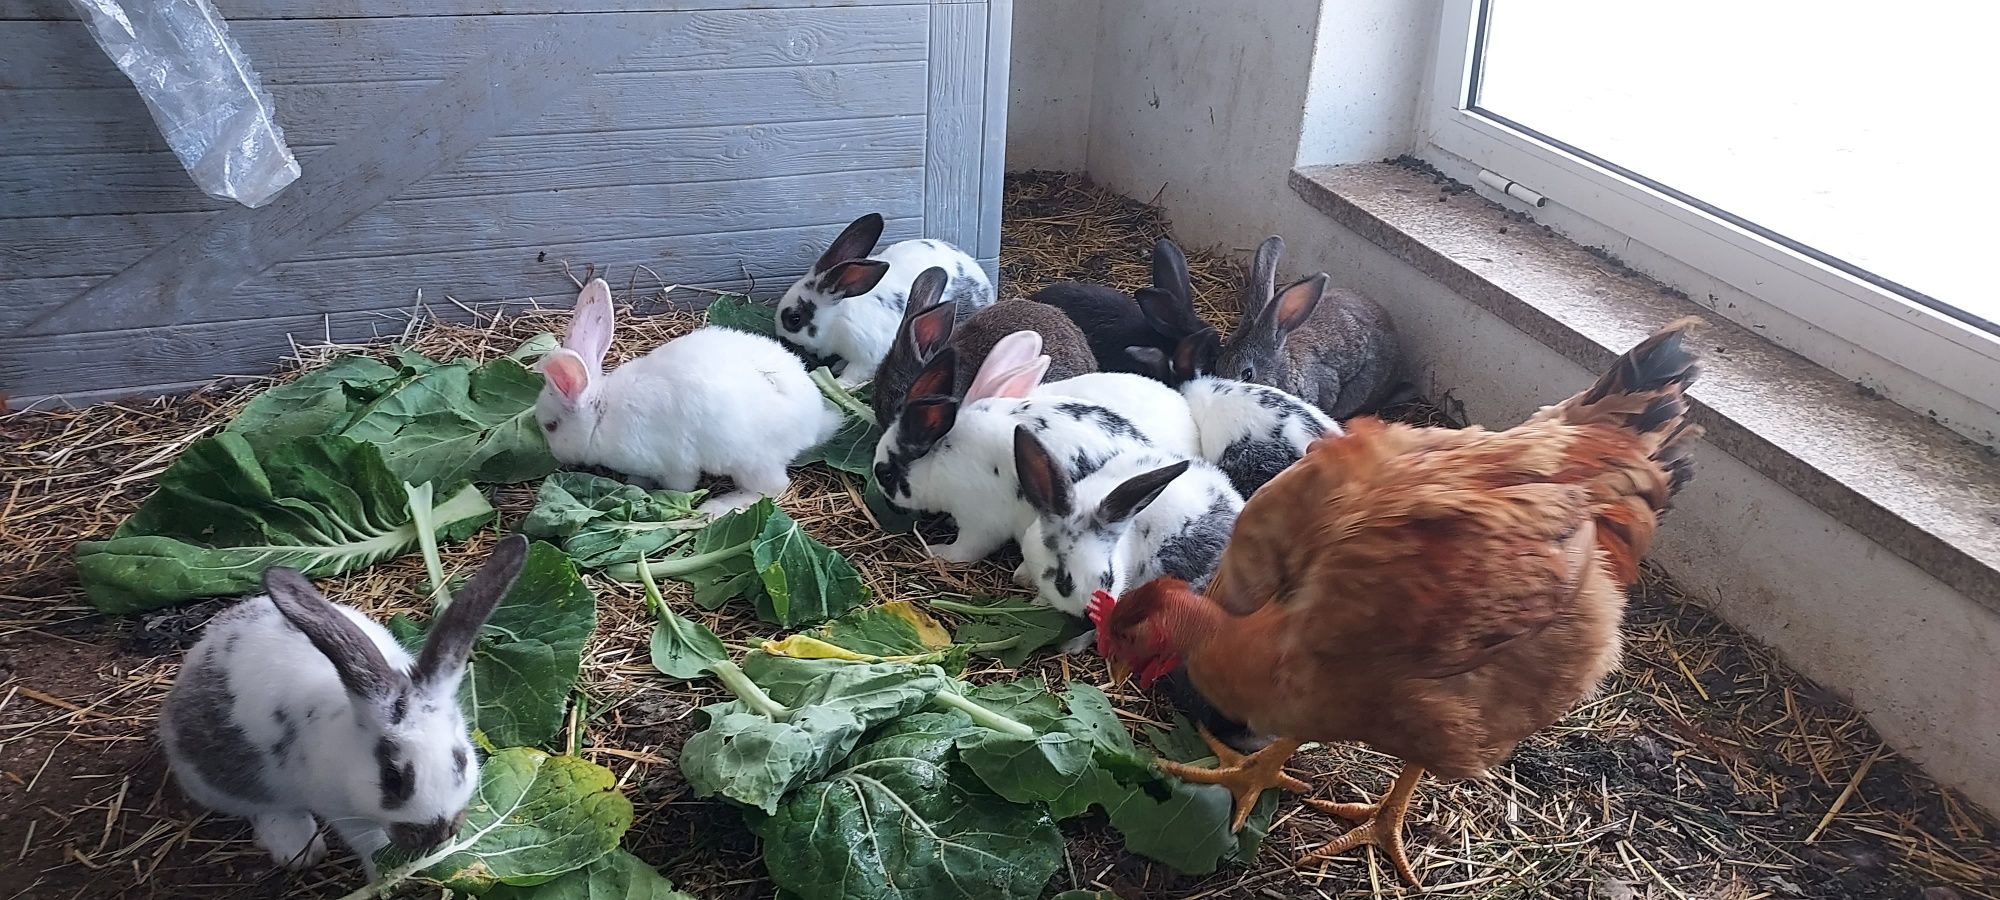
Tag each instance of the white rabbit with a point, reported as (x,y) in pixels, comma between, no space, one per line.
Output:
(292,709)
(952,455)
(716,400)
(846,310)
(1141,516)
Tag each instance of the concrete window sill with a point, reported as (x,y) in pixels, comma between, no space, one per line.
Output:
(1914,487)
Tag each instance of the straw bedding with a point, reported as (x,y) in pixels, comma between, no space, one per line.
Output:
(1705,770)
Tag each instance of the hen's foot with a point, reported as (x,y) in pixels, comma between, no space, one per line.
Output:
(1380,825)
(1246,777)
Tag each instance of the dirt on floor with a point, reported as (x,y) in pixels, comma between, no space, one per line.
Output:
(1705,769)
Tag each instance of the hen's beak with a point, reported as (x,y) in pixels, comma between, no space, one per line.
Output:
(1120,672)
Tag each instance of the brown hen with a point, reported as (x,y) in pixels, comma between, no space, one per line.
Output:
(1437,593)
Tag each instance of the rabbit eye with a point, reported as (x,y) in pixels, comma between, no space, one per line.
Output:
(1249,373)
(550,426)
(793,319)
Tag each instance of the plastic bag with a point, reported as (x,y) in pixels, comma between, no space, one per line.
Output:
(202,93)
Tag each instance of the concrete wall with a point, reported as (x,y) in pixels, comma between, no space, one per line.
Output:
(1208,103)
(1049,90)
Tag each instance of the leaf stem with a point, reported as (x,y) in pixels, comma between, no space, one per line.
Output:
(984,717)
(968,609)
(839,396)
(747,691)
(426,524)
(677,566)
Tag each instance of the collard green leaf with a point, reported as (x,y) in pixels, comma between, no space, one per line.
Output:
(460,421)
(534,818)
(1047,766)
(601,521)
(889,632)
(901,820)
(527,657)
(617,875)
(804,580)
(225,511)
(892,520)
(681,648)
(756,759)
(851,449)
(322,401)
(736,311)
(1009,629)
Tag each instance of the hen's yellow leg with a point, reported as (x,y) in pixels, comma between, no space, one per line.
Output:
(1381,825)
(1246,777)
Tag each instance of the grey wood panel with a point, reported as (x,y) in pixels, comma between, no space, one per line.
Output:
(136,183)
(248,10)
(339,51)
(954,152)
(993,161)
(402,228)
(97,119)
(400,147)
(106,361)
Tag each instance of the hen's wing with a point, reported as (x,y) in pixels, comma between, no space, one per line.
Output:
(1434,549)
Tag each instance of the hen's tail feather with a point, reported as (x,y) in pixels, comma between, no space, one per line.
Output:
(1645,392)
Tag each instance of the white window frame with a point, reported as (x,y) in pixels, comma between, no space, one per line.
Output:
(1908,351)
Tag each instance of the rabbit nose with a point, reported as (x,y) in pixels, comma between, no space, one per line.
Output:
(424,835)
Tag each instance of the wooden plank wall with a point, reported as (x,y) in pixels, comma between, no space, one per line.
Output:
(468,153)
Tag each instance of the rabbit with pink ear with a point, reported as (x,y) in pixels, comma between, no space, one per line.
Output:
(715,401)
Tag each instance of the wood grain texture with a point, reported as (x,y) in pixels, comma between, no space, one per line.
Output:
(953,108)
(251,10)
(91,184)
(993,109)
(63,121)
(659,213)
(103,363)
(397,149)
(339,51)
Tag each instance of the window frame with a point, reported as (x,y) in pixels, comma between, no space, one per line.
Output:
(1856,309)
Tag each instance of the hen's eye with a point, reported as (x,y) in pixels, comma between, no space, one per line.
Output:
(793,319)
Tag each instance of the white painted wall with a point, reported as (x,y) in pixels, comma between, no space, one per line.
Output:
(1049,90)
(1208,103)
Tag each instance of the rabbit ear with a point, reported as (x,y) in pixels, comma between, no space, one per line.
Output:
(1046,485)
(930,329)
(1196,353)
(925,422)
(1296,304)
(1170,271)
(928,288)
(937,378)
(1263,276)
(567,373)
(363,671)
(589,331)
(450,642)
(1014,383)
(1137,493)
(857,240)
(1008,355)
(1166,311)
(1153,359)
(854,278)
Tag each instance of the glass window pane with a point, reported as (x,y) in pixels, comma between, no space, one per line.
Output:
(1861,131)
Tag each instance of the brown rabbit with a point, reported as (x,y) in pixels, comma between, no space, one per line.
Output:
(929,328)
(1332,347)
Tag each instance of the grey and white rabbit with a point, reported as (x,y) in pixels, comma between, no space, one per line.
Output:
(292,711)
(1142,515)
(1332,347)
(930,324)
(846,309)
(1250,431)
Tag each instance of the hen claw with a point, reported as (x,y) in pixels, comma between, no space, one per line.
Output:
(1379,825)
(1246,777)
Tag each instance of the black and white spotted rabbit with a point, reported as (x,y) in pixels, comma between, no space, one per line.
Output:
(293,711)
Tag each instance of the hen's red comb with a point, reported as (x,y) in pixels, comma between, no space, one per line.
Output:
(1100,606)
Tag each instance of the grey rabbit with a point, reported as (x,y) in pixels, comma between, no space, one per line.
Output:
(1332,347)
